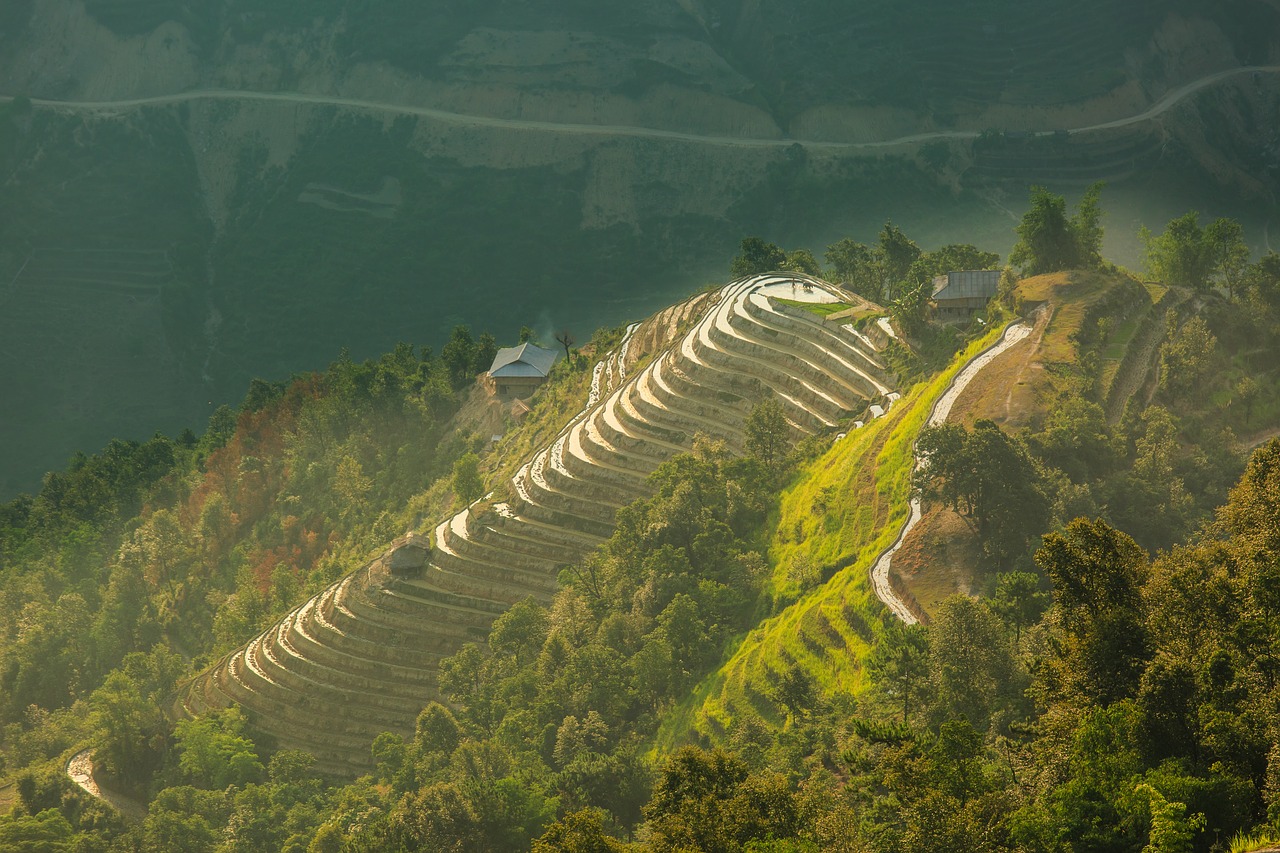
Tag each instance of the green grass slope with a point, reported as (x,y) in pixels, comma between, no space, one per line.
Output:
(841,511)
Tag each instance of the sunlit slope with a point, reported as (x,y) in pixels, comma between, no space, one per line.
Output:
(361,658)
(842,511)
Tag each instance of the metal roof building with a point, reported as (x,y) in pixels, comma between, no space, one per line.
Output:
(959,295)
(520,370)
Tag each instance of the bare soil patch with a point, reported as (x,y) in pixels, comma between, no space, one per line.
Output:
(939,558)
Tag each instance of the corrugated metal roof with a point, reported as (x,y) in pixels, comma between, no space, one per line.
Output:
(967,284)
(524,360)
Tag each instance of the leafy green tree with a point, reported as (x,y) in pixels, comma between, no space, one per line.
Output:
(1172,830)
(1076,440)
(214,753)
(803,261)
(485,350)
(1086,227)
(582,831)
(855,265)
(1185,357)
(437,729)
(709,801)
(900,663)
(1262,280)
(128,711)
(795,691)
(467,484)
(1097,574)
(757,257)
(766,433)
(185,820)
(1019,601)
(46,832)
(458,356)
(520,632)
(989,478)
(971,665)
(1186,255)
(1045,243)
(1049,240)
(1245,394)
(897,253)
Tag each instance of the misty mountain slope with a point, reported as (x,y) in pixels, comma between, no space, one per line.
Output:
(295,229)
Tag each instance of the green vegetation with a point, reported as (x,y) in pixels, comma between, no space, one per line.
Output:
(822,309)
(1095,699)
(1049,241)
(1186,255)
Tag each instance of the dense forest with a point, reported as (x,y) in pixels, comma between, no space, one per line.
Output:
(1113,689)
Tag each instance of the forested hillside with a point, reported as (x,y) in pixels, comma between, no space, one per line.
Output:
(719,674)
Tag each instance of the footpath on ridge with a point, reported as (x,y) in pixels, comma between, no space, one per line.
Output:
(1013,334)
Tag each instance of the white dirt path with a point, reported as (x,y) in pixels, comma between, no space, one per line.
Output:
(941,409)
(80,769)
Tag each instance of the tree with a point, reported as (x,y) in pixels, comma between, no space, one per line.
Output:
(795,691)
(458,356)
(989,478)
(486,348)
(971,665)
(1049,241)
(578,832)
(185,820)
(1246,393)
(1172,831)
(757,257)
(897,253)
(45,832)
(1186,255)
(1097,574)
(802,260)
(766,432)
(1230,253)
(520,632)
(565,340)
(854,265)
(1045,243)
(900,662)
(1185,357)
(1262,280)
(708,801)
(1019,600)
(1086,228)
(214,753)
(467,484)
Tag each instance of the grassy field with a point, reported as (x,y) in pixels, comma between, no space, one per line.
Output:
(842,510)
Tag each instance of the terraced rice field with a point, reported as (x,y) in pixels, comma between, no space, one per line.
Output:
(361,658)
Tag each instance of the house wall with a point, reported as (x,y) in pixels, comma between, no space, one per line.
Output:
(520,387)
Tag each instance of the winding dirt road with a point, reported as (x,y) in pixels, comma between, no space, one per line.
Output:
(941,410)
(1169,100)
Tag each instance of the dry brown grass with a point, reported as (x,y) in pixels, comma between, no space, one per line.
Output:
(941,557)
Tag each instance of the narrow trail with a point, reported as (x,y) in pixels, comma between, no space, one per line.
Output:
(1169,100)
(1013,334)
(80,769)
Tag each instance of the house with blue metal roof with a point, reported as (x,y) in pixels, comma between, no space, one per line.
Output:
(519,371)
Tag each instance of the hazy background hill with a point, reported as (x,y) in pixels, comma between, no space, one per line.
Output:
(154,258)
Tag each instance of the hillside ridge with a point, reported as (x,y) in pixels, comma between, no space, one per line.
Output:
(360,658)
